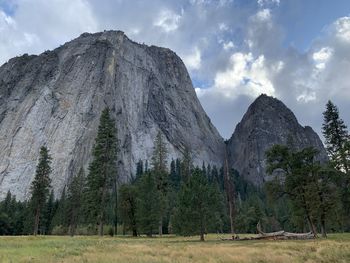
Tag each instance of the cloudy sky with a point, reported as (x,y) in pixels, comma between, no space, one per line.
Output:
(295,50)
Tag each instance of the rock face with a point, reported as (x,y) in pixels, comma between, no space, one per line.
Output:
(267,122)
(56,98)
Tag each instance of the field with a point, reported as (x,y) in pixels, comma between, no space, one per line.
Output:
(171,249)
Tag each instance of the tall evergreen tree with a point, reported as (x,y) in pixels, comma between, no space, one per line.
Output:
(74,200)
(128,207)
(48,214)
(148,202)
(303,180)
(175,178)
(336,137)
(198,204)
(102,177)
(40,186)
(159,163)
(338,147)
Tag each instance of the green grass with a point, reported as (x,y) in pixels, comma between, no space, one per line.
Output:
(171,249)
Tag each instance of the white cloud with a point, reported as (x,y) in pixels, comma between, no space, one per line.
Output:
(167,20)
(39,25)
(321,57)
(268,2)
(342,28)
(228,45)
(263,15)
(223,27)
(246,75)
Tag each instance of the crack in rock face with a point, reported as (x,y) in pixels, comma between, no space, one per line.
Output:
(55,99)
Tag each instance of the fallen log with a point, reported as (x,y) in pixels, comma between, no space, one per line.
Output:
(279,235)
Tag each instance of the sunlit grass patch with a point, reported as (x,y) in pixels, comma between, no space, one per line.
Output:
(171,249)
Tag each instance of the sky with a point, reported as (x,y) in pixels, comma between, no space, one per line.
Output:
(295,50)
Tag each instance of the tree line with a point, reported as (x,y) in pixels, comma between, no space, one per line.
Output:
(304,193)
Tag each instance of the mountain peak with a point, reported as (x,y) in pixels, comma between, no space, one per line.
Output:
(268,121)
(56,98)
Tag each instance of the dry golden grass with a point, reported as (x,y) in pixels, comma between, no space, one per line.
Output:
(171,249)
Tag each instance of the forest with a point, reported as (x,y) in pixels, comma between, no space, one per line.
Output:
(304,193)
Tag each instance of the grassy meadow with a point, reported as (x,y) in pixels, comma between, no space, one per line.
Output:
(171,249)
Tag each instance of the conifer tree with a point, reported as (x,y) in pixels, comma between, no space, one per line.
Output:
(74,200)
(128,207)
(48,214)
(175,178)
(159,171)
(338,147)
(198,204)
(303,180)
(102,177)
(40,186)
(336,137)
(148,202)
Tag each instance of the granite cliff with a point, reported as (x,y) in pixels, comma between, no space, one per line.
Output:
(56,98)
(267,122)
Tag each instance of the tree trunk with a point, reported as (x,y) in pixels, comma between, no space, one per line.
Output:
(323,225)
(311,225)
(202,236)
(36,221)
(160,227)
(100,227)
(116,209)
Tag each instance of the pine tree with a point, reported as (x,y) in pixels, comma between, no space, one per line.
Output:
(197,208)
(74,200)
(175,178)
(102,177)
(148,202)
(159,171)
(48,214)
(128,207)
(338,147)
(336,137)
(40,186)
(304,181)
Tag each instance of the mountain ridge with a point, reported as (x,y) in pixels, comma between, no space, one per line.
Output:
(55,99)
(267,121)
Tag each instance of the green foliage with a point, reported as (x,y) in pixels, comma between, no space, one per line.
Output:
(300,176)
(48,214)
(149,200)
(102,177)
(337,142)
(75,200)
(128,207)
(336,137)
(198,208)
(40,186)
